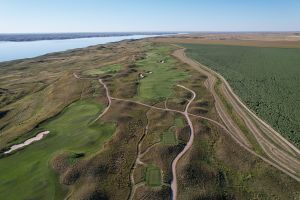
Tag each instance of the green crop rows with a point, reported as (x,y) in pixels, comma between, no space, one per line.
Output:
(266,79)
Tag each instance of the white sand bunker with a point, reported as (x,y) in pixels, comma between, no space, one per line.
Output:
(27,142)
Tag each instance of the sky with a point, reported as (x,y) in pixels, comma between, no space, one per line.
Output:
(30,16)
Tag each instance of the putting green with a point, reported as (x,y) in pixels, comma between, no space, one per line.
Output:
(179,122)
(104,70)
(153,176)
(168,138)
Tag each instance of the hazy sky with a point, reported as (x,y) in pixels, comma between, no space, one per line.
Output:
(148,15)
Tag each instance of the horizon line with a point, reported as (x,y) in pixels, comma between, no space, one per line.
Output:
(185,32)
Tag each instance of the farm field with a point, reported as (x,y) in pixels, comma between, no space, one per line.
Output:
(266,79)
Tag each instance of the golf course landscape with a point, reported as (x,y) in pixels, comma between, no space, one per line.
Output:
(150,100)
(152,119)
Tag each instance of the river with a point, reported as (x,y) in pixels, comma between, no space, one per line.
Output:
(29,49)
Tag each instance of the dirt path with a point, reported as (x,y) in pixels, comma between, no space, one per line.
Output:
(279,152)
(187,146)
(106,92)
(141,154)
(230,127)
(108,98)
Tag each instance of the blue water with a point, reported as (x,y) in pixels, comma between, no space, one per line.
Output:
(28,49)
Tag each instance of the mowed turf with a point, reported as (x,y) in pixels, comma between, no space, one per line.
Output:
(179,122)
(104,70)
(266,79)
(27,173)
(159,84)
(153,176)
(168,138)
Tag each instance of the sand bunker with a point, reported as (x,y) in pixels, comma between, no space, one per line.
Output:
(27,142)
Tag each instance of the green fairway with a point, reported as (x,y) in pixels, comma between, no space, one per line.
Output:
(158,85)
(104,70)
(168,138)
(153,176)
(27,174)
(266,79)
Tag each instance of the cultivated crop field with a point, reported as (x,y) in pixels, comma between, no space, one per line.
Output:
(266,79)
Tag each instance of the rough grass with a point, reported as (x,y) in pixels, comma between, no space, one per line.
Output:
(216,168)
(153,176)
(27,174)
(266,79)
(238,120)
(159,84)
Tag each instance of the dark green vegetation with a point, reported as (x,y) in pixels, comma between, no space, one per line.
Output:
(153,177)
(70,131)
(266,79)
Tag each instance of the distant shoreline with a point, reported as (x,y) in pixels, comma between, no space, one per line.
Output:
(19,50)
(23,37)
